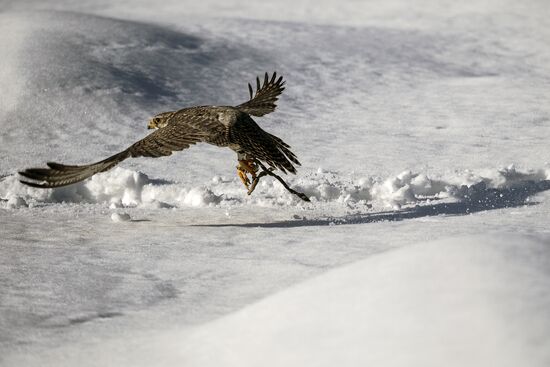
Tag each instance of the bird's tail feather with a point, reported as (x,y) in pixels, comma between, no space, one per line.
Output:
(285,148)
(281,156)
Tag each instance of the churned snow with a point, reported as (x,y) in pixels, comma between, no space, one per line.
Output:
(420,123)
(125,188)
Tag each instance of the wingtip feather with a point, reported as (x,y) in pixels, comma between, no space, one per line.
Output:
(31,173)
(33,184)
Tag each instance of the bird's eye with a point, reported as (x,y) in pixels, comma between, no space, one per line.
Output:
(157,120)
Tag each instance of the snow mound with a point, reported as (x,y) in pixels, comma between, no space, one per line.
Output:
(474,301)
(120,217)
(410,188)
(468,301)
(121,187)
(117,188)
(407,187)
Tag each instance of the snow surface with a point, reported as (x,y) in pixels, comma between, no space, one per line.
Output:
(414,122)
(430,304)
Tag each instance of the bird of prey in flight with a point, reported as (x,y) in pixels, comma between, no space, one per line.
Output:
(223,126)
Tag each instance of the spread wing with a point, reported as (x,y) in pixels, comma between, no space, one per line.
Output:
(161,142)
(263,102)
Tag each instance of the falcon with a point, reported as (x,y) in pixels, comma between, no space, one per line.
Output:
(223,126)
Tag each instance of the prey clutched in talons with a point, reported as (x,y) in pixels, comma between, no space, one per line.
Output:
(243,177)
(245,168)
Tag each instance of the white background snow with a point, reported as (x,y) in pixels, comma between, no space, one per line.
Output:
(422,128)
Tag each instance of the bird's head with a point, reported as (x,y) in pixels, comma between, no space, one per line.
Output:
(160,120)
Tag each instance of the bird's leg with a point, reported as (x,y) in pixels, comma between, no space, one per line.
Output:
(247,166)
(269,171)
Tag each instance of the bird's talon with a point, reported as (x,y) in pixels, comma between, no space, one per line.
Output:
(244,168)
(243,177)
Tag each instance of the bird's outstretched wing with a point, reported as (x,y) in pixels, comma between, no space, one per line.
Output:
(263,102)
(161,142)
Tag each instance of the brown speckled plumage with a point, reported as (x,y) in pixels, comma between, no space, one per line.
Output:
(223,126)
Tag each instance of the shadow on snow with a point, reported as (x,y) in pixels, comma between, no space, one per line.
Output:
(474,199)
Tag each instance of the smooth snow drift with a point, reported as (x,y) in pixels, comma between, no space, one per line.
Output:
(473,301)
(477,301)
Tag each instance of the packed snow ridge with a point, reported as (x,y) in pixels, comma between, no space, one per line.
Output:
(125,188)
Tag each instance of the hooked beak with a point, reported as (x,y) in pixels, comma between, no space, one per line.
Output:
(151,125)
